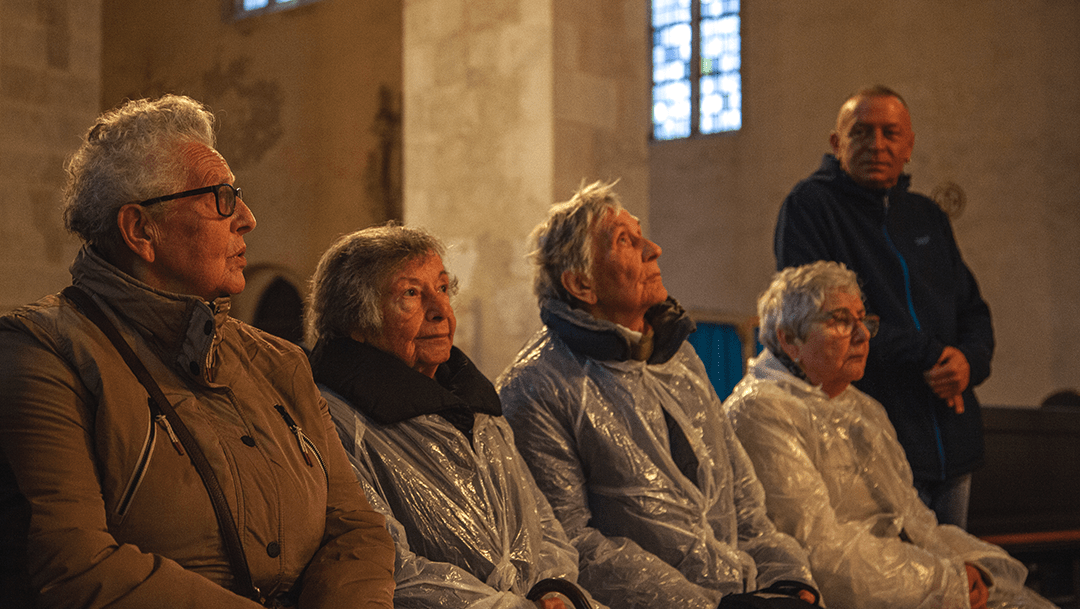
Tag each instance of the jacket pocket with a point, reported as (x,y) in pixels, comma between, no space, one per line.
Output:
(307,447)
(138,472)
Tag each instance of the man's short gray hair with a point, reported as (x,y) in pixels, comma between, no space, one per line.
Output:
(877,91)
(346,289)
(795,296)
(564,242)
(131,154)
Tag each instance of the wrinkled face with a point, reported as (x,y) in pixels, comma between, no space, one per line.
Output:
(626,275)
(828,357)
(418,322)
(196,250)
(873,140)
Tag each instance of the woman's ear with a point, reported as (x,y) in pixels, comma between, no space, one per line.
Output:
(137,231)
(790,345)
(579,286)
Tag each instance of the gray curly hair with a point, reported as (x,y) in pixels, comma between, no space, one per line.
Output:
(796,295)
(131,154)
(564,241)
(346,289)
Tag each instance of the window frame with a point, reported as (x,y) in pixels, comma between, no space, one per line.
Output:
(272,6)
(695,76)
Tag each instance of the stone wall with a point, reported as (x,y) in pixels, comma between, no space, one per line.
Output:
(994,89)
(49,84)
(509,106)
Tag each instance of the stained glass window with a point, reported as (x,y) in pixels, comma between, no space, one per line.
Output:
(697,83)
(246,8)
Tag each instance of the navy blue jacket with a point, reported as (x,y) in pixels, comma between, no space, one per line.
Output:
(901,245)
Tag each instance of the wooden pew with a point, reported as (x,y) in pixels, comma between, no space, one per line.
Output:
(1026,498)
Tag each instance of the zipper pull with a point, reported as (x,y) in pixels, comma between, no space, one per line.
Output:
(301,439)
(172,435)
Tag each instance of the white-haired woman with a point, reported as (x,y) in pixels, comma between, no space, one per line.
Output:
(424,428)
(835,476)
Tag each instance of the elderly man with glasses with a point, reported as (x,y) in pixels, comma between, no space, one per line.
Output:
(155,451)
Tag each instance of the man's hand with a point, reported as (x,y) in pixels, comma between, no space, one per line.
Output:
(949,377)
(977,592)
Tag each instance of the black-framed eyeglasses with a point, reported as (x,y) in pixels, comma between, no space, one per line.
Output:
(225,196)
(844,322)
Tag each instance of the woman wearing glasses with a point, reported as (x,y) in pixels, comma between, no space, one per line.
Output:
(835,477)
(154,451)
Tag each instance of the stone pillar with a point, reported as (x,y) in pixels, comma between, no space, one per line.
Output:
(508,106)
(49,95)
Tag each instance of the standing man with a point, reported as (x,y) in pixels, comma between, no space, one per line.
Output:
(936,339)
(614,413)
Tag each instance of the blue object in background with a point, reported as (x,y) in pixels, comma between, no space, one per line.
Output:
(720,348)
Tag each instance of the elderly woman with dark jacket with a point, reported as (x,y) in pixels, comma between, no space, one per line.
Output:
(100,503)
(424,428)
(835,476)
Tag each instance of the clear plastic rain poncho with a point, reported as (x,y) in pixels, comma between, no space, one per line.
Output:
(595,427)
(836,479)
(471,527)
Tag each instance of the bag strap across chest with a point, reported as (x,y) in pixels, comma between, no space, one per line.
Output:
(233,546)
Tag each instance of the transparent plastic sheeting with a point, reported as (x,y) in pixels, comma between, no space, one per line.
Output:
(470,526)
(837,479)
(594,436)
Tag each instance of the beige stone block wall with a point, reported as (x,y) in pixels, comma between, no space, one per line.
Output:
(509,105)
(49,86)
(994,89)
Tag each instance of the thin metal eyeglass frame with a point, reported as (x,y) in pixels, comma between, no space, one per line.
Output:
(872,322)
(237,194)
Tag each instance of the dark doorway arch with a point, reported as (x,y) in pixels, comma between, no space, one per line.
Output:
(280,311)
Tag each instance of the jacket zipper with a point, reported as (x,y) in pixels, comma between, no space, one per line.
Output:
(307,447)
(903,267)
(139,472)
(918,326)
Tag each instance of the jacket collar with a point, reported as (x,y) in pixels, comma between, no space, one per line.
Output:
(388,391)
(607,341)
(830,171)
(183,329)
(767,367)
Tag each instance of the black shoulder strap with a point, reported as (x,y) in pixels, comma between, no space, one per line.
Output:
(233,546)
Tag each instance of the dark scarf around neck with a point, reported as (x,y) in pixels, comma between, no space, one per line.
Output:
(386,390)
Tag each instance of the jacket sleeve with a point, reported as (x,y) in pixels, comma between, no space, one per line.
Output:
(558,557)
(857,563)
(419,582)
(615,570)
(777,555)
(46,435)
(353,567)
(974,327)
